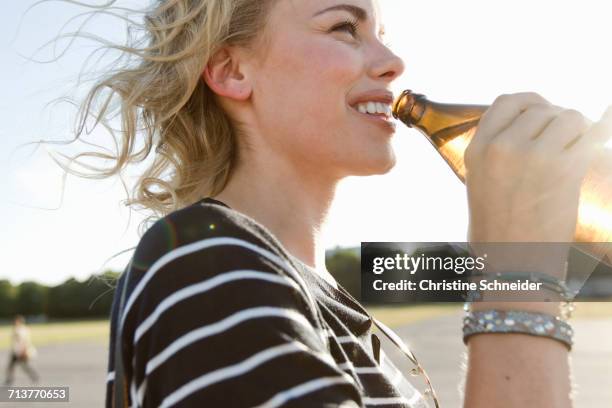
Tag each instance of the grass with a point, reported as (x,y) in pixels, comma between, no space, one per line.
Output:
(61,332)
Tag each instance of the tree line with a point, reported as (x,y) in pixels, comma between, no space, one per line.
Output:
(93,297)
(89,298)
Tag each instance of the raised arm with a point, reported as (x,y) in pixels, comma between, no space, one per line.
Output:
(525,168)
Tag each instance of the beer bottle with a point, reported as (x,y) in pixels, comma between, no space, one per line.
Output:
(450,128)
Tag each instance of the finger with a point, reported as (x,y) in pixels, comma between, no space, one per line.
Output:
(498,117)
(592,144)
(564,131)
(530,124)
(503,112)
(598,134)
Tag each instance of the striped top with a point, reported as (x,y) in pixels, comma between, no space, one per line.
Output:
(218,314)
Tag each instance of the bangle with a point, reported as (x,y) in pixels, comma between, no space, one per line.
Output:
(514,321)
(548,282)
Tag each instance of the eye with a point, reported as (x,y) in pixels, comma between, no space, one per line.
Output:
(349,26)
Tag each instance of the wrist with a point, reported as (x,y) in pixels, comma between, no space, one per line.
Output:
(544,258)
(551,308)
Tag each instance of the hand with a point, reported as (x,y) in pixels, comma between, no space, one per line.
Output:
(524,170)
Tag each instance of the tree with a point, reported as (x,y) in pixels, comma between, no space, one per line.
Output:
(91,298)
(345,265)
(7,299)
(31,298)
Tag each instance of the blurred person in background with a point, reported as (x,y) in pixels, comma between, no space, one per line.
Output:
(21,352)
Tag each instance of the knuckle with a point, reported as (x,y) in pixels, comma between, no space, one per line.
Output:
(522,99)
(503,99)
(529,98)
(541,112)
(534,96)
(534,112)
(542,109)
(572,116)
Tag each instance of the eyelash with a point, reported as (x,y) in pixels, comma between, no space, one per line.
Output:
(351,25)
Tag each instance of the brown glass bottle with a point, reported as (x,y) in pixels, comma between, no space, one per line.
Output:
(450,128)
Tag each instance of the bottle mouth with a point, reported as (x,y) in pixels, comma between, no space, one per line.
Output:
(402,106)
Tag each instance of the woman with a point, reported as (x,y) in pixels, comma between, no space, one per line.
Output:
(257,110)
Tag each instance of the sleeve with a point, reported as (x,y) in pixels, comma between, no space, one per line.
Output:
(220,322)
(113,317)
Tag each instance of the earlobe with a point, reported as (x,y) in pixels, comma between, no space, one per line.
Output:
(223,75)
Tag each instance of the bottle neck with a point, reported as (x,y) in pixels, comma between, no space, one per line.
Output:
(449,127)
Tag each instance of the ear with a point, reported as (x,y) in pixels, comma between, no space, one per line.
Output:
(223,74)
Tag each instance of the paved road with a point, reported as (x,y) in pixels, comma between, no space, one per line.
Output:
(82,366)
(437,344)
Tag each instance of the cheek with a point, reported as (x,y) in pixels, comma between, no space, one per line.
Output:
(335,65)
(306,86)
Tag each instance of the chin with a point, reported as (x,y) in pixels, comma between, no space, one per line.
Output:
(374,166)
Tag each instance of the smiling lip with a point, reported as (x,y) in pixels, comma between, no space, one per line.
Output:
(375,95)
(378,118)
(378,95)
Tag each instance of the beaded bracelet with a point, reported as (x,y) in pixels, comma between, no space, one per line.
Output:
(513,321)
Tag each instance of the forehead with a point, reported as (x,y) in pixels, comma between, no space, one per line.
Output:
(307,9)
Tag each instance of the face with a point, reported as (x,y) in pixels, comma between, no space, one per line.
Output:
(324,61)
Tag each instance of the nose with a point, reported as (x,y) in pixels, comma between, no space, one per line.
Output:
(386,65)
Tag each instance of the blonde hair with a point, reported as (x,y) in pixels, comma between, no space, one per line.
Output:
(163,99)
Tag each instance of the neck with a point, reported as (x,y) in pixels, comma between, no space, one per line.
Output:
(292,203)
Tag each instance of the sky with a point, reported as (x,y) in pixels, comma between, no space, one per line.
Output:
(467,51)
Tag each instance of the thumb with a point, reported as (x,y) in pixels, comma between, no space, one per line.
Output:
(607,115)
(601,132)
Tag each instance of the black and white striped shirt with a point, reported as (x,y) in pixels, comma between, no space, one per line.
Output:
(219,314)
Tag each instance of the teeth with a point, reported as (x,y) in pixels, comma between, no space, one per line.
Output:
(374,107)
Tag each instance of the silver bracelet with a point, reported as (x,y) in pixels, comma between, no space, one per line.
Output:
(514,321)
(548,282)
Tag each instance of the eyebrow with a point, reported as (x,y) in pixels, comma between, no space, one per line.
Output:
(359,13)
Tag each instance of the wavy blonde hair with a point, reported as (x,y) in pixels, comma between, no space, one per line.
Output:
(158,94)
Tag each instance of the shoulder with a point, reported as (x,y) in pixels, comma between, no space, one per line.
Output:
(204,245)
(203,227)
